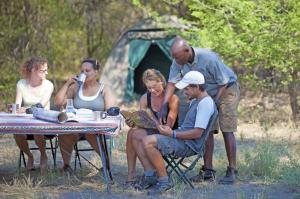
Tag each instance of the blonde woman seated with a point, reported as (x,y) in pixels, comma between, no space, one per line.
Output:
(90,95)
(153,99)
(32,89)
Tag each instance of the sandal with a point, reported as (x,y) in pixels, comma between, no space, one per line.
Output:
(31,169)
(67,169)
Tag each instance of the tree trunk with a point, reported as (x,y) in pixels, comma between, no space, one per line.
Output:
(94,26)
(292,89)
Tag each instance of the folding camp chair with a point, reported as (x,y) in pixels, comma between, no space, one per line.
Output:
(179,164)
(78,149)
(52,147)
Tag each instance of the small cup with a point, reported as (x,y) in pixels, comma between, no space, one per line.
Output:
(81,78)
(99,115)
(13,108)
(70,106)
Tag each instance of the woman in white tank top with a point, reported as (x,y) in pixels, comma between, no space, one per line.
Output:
(90,95)
(33,89)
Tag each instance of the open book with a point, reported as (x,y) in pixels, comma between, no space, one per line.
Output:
(141,118)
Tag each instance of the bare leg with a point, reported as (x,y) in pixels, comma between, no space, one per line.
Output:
(91,138)
(131,156)
(154,155)
(41,143)
(134,137)
(230,145)
(23,145)
(206,173)
(66,144)
(141,152)
(209,149)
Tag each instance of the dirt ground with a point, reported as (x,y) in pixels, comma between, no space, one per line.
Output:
(260,121)
(88,183)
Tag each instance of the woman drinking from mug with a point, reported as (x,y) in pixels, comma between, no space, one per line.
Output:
(152,99)
(32,89)
(89,95)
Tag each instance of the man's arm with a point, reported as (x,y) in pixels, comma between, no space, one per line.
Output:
(162,116)
(173,110)
(169,92)
(190,134)
(185,135)
(220,93)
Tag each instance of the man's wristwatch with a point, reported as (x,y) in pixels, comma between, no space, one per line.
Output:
(174,134)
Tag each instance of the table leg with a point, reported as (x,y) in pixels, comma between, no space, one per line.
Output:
(106,150)
(104,161)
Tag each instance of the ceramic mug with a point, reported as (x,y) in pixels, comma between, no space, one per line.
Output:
(81,78)
(13,108)
(99,115)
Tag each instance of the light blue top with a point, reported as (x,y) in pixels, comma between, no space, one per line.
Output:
(216,73)
(198,116)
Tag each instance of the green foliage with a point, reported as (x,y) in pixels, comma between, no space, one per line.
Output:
(272,162)
(259,39)
(65,32)
(291,172)
(264,161)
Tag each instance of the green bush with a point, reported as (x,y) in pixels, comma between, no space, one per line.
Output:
(264,160)
(291,173)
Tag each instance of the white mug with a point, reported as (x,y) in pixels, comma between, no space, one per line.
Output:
(98,115)
(81,78)
(13,108)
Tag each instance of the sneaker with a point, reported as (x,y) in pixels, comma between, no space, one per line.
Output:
(205,174)
(133,182)
(230,176)
(129,184)
(160,188)
(146,182)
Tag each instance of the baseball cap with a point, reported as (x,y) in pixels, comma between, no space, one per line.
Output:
(192,77)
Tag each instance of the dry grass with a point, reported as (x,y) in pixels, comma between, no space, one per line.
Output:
(268,162)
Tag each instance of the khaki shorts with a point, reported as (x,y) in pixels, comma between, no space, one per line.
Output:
(227,120)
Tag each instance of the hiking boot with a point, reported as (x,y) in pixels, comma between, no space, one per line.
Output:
(230,176)
(146,182)
(159,188)
(207,175)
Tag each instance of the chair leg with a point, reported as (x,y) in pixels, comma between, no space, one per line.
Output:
(77,157)
(175,166)
(22,158)
(76,151)
(53,152)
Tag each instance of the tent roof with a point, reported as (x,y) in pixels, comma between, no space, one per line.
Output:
(158,28)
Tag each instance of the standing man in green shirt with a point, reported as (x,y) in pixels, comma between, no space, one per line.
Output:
(223,87)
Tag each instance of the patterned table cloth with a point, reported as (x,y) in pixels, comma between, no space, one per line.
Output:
(27,124)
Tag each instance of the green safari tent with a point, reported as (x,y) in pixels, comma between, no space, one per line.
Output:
(145,45)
